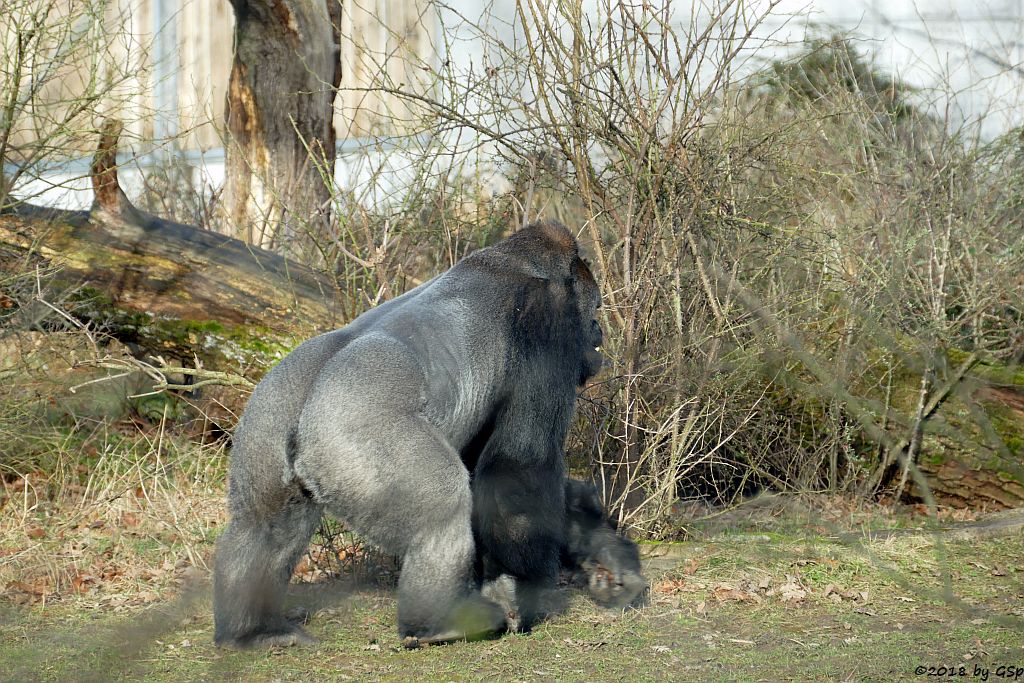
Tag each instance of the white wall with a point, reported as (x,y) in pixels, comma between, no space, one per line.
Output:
(947,48)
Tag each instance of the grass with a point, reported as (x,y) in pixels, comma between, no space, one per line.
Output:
(798,606)
(104,566)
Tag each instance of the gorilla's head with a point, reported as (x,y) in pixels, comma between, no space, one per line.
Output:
(562,311)
(588,297)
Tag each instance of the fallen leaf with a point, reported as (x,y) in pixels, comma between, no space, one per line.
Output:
(82,582)
(669,586)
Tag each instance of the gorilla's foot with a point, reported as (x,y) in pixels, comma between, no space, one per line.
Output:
(289,635)
(473,618)
(502,591)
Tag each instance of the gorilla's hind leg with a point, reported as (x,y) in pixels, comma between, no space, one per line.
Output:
(254,560)
(435,601)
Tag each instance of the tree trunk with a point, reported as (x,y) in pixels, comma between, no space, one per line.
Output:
(280,112)
(962,476)
(962,483)
(152,271)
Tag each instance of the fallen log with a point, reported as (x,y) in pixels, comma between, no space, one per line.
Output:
(133,261)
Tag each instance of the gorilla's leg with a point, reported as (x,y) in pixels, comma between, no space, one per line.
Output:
(519,517)
(254,561)
(380,466)
(434,603)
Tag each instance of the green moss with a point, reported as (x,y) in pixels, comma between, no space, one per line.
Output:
(1008,424)
(156,407)
(216,344)
(996,373)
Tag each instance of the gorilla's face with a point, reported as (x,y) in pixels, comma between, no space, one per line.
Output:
(593,359)
(589,301)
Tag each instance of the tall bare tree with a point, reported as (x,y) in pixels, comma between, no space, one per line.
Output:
(280,112)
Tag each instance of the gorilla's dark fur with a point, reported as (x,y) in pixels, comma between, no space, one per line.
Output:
(607,562)
(383,423)
(595,555)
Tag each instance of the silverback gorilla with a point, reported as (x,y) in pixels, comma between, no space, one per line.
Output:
(385,422)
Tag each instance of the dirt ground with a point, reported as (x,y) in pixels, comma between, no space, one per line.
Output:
(782,594)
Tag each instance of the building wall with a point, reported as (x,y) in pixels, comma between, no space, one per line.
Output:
(965,55)
(172,58)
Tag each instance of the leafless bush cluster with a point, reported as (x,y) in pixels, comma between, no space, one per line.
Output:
(804,271)
(63,65)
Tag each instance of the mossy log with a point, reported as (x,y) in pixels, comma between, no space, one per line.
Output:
(957,483)
(988,472)
(160,275)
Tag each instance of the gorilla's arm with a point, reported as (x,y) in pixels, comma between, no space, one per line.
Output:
(599,559)
(519,500)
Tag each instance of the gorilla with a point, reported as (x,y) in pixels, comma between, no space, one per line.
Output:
(595,555)
(471,376)
(607,562)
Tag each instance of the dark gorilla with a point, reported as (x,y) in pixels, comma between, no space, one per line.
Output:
(383,422)
(607,562)
(595,555)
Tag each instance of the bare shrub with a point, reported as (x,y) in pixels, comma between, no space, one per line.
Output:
(796,262)
(63,67)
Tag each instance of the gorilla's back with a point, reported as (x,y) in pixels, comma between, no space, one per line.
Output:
(447,328)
